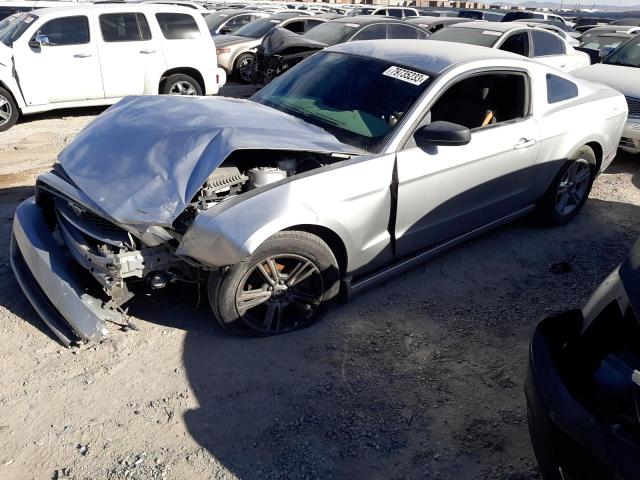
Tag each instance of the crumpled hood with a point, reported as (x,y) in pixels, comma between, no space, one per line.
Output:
(280,39)
(624,79)
(143,160)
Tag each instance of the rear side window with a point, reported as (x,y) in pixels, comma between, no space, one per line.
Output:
(178,26)
(409,13)
(395,12)
(295,27)
(404,31)
(546,44)
(372,32)
(124,27)
(66,31)
(559,89)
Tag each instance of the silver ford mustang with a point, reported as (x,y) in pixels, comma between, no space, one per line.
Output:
(360,162)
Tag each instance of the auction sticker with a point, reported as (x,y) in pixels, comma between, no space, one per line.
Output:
(405,75)
(491,32)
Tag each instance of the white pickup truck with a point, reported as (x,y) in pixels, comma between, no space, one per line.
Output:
(96,54)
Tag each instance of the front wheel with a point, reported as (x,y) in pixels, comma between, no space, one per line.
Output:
(570,188)
(180,84)
(285,285)
(8,110)
(244,67)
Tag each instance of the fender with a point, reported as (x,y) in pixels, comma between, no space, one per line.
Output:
(8,80)
(228,234)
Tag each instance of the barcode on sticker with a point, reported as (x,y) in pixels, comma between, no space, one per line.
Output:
(415,78)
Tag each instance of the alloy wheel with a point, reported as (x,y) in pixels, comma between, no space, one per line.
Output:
(5,110)
(279,293)
(246,69)
(182,88)
(573,187)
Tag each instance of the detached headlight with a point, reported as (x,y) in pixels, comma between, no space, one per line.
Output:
(222,50)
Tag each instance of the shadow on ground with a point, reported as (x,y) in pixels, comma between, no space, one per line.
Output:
(419,378)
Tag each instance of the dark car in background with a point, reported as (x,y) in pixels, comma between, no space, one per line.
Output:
(599,46)
(280,50)
(583,384)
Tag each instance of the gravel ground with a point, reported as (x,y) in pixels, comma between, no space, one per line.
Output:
(418,378)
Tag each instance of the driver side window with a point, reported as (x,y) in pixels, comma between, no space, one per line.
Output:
(481,101)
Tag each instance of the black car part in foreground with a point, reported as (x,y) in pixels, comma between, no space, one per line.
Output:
(583,384)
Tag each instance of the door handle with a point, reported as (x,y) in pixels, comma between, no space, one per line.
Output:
(82,55)
(524,143)
(148,50)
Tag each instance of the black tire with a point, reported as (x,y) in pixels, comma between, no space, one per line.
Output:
(240,63)
(177,83)
(8,110)
(550,211)
(281,308)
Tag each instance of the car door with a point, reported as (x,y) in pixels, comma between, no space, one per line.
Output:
(130,56)
(64,68)
(446,191)
(550,49)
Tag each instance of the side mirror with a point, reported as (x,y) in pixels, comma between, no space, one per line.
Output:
(226,30)
(39,41)
(442,133)
(606,51)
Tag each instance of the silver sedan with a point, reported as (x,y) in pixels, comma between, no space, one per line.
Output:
(357,164)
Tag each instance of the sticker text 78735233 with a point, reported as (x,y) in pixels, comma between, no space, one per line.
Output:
(409,76)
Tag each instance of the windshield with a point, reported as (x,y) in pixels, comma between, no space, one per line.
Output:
(332,33)
(257,28)
(598,43)
(11,28)
(627,54)
(359,100)
(473,36)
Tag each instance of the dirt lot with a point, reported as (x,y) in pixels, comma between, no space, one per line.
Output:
(419,378)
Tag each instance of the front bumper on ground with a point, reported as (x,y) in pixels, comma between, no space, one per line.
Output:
(630,141)
(50,280)
(569,442)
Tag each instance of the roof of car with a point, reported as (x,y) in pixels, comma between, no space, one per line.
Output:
(367,19)
(110,7)
(428,56)
(492,26)
(235,11)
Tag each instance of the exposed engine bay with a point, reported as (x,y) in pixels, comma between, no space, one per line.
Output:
(241,173)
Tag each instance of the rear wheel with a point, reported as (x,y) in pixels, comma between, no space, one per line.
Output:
(8,110)
(285,285)
(570,188)
(181,84)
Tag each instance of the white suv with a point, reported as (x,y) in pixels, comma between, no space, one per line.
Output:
(96,54)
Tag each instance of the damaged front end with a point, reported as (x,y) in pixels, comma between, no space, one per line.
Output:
(129,199)
(280,51)
(75,265)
